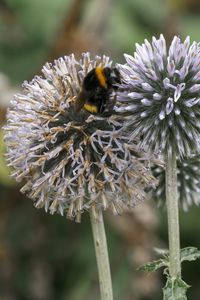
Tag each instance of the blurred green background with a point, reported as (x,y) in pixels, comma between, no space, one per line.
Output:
(44,257)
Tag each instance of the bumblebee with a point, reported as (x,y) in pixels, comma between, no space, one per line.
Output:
(97,88)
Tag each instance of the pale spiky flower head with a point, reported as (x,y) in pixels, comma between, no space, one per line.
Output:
(162,94)
(188,181)
(71,162)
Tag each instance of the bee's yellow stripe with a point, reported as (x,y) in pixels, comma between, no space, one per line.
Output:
(91,108)
(100,75)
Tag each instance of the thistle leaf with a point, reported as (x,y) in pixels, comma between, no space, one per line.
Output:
(154,265)
(175,289)
(189,254)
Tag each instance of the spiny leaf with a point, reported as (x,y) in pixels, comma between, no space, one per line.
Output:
(154,265)
(175,289)
(189,254)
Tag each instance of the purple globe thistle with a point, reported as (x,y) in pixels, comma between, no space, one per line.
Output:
(188,181)
(71,162)
(161,92)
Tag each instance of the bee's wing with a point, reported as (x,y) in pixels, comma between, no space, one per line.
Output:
(80,101)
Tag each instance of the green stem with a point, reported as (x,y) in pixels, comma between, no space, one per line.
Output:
(102,257)
(173,215)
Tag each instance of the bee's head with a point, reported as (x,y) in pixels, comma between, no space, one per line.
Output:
(112,76)
(116,75)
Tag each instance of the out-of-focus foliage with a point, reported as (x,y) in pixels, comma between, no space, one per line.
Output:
(47,257)
(28,28)
(4,170)
(130,23)
(26,31)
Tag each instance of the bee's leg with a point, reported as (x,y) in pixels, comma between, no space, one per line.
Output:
(102,106)
(112,102)
(79,102)
(110,105)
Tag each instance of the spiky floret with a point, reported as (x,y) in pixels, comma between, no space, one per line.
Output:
(161,91)
(188,180)
(71,162)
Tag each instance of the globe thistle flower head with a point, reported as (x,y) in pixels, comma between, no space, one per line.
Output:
(188,181)
(71,161)
(161,91)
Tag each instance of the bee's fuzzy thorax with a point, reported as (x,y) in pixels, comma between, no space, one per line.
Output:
(101,76)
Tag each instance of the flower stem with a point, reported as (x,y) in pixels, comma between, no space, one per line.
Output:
(102,257)
(173,215)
